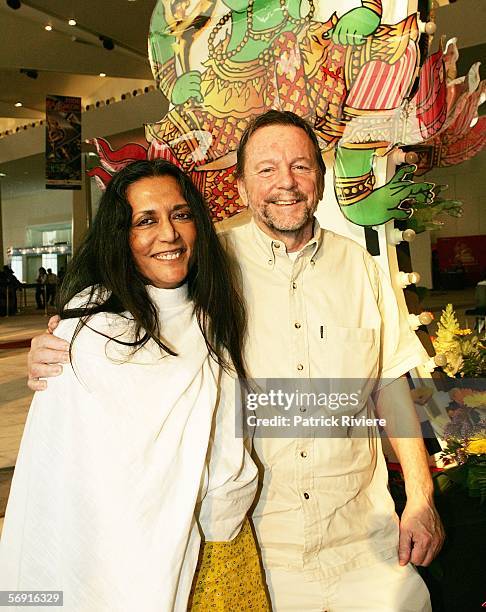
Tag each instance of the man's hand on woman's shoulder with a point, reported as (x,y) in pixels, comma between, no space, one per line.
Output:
(47,353)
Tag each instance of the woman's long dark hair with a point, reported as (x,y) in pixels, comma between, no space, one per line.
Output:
(104,259)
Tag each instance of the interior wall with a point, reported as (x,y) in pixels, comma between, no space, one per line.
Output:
(25,201)
(421,259)
(38,208)
(466,183)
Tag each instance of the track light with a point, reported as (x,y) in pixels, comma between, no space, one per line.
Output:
(32,74)
(108,44)
(13,4)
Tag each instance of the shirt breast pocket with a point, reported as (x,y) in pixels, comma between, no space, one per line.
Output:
(350,352)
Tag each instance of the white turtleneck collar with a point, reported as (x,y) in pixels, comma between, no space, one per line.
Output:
(168,298)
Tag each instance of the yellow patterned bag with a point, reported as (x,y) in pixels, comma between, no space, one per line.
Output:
(229,576)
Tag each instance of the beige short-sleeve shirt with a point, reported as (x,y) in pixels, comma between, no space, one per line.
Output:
(324,505)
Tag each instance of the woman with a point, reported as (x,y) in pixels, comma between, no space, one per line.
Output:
(113,458)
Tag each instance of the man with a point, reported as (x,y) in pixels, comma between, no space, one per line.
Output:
(319,307)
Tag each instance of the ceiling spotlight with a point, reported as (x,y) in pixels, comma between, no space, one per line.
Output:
(2,174)
(13,4)
(32,74)
(48,27)
(72,22)
(107,43)
(102,74)
(18,104)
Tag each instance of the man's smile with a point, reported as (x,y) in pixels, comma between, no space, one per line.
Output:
(284,202)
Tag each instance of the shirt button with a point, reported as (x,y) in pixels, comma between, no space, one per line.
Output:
(300,367)
(306,495)
(303,454)
(270,262)
(297,325)
(313,263)
(294,285)
(276,245)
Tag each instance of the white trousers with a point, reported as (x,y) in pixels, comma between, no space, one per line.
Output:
(381,587)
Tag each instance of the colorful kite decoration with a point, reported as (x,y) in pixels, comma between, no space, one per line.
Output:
(353,77)
(464,133)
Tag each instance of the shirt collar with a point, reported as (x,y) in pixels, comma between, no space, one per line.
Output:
(272,248)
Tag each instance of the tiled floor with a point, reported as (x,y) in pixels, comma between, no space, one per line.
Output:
(15,396)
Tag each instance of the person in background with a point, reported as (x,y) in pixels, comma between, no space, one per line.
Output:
(51,286)
(40,290)
(60,274)
(9,285)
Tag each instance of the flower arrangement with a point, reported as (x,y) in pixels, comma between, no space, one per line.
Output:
(465,435)
(465,350)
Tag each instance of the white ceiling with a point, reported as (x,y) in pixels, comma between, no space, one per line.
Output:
(66,66)
(70,67)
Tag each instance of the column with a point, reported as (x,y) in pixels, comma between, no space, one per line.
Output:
(2,262)
(81,218)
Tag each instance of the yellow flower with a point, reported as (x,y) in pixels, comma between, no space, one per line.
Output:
(462,332)
(476,446)
(475,400)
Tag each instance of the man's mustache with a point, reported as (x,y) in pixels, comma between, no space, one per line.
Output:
(289,195)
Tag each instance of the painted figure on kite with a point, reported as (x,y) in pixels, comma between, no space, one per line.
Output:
(221,63)
(348,76)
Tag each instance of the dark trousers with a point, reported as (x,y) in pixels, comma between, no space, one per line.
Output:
(40,296)
(50,294)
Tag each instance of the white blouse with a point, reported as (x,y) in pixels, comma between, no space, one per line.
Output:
(113,461)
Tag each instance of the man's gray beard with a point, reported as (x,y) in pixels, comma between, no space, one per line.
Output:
(276,224)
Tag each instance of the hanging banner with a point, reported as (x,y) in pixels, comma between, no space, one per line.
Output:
(63,142)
